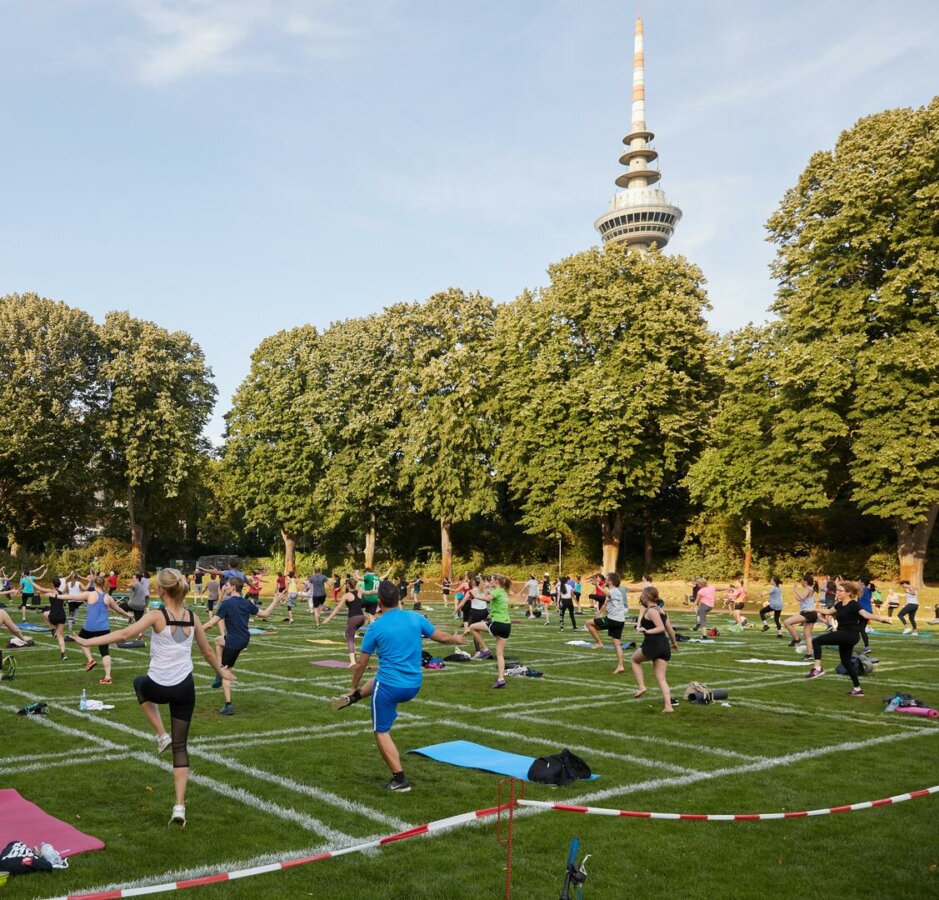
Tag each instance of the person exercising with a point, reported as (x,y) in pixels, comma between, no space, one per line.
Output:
(396,636)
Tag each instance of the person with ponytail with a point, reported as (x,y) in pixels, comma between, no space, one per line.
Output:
(96,624)
(169,679)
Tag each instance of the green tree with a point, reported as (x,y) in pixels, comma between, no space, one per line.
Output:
(604,381)
(158,395)
(736,472)
(274,444)
(443,387)
(360,416)
(48,386)
(858,267)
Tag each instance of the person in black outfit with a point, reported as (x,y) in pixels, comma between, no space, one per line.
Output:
(657,645)
(851,620)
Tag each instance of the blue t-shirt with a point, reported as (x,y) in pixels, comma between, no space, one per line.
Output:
(234,573)
(396,635)
(864,601)
(775,597)
(236,611)
(26,584)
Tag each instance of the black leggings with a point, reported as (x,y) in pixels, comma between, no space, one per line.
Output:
(567,605)
(909,610)
(844,641)
(766,610)
(182,701)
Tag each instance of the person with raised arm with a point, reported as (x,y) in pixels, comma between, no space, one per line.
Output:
(396,636)
(169,679)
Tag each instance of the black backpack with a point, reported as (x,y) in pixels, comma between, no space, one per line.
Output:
(560,768)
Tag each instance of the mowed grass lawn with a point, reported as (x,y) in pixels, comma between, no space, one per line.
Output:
(287,775)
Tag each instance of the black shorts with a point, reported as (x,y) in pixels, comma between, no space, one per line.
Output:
(230,656)
(104,648)
(810,616)
(467,612)
(500,629)
(478,615)
(57,618)
(180,697)
(656,650)
(370,606)
(27,599)
(739,605)
(614,629)
(318,601)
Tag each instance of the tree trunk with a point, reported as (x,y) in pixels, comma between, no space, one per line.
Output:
(290,551)
(138,542)
(747,550)
(370,542)
(912,543)
(647,556)
(446,549)
(611,526)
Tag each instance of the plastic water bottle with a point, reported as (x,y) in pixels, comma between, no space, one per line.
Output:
(893,704)
(83,703)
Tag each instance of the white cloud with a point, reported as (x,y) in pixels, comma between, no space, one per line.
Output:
(185,38)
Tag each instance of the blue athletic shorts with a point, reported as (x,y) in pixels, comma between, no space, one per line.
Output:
(385,702)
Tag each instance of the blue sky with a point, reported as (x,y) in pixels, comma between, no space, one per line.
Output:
(234,167)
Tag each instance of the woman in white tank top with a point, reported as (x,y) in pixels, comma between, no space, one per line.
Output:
(169,679)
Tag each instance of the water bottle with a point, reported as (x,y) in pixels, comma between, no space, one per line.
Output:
(83,703)
(893,704)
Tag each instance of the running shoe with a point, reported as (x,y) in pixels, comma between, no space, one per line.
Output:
(105,680)
(90,665)
(63,656)
(866,651)
(341,702)
(402,786)
(218,681)
(779,634)
(814,673)
(163,742)
(907,630)
(226,710)
(487,654)
(500,683)
(856,692)
(765,627)
(793,643)
(179,816)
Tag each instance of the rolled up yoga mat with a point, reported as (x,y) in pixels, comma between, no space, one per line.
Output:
(919,711)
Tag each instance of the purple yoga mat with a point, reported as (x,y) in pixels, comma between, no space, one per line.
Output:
(330,663)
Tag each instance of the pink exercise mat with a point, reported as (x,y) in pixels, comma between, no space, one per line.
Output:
(330,663)
(21,820)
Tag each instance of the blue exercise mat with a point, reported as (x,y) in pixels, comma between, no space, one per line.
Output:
(468,755)
(29,626)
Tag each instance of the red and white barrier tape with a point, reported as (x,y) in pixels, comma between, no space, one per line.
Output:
(739,817)
(429,828)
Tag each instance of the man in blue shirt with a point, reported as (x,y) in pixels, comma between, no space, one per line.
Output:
(235,611)
(396,635)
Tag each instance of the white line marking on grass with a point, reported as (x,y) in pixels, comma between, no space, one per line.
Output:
(858,718)
(757,766)
(631,736)
(43,757)
(324,796)
(259,774)
(57,764)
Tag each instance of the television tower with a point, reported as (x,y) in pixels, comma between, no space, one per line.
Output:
(639,215)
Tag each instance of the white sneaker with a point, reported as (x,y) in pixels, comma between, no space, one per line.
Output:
(163,741)
(179,816)
(52,856)
(907,630)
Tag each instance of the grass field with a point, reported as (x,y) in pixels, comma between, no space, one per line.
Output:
(286,775)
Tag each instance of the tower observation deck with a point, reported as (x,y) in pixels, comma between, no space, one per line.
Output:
(640,214)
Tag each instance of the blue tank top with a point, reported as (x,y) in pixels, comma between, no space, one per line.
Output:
(96,618)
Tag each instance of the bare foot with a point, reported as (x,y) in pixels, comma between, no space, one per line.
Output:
(618,671)
(638,694)
(669,710)
(597,647)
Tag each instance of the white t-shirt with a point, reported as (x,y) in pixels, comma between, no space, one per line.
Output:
(533,587)
(477,602)
(615,608)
